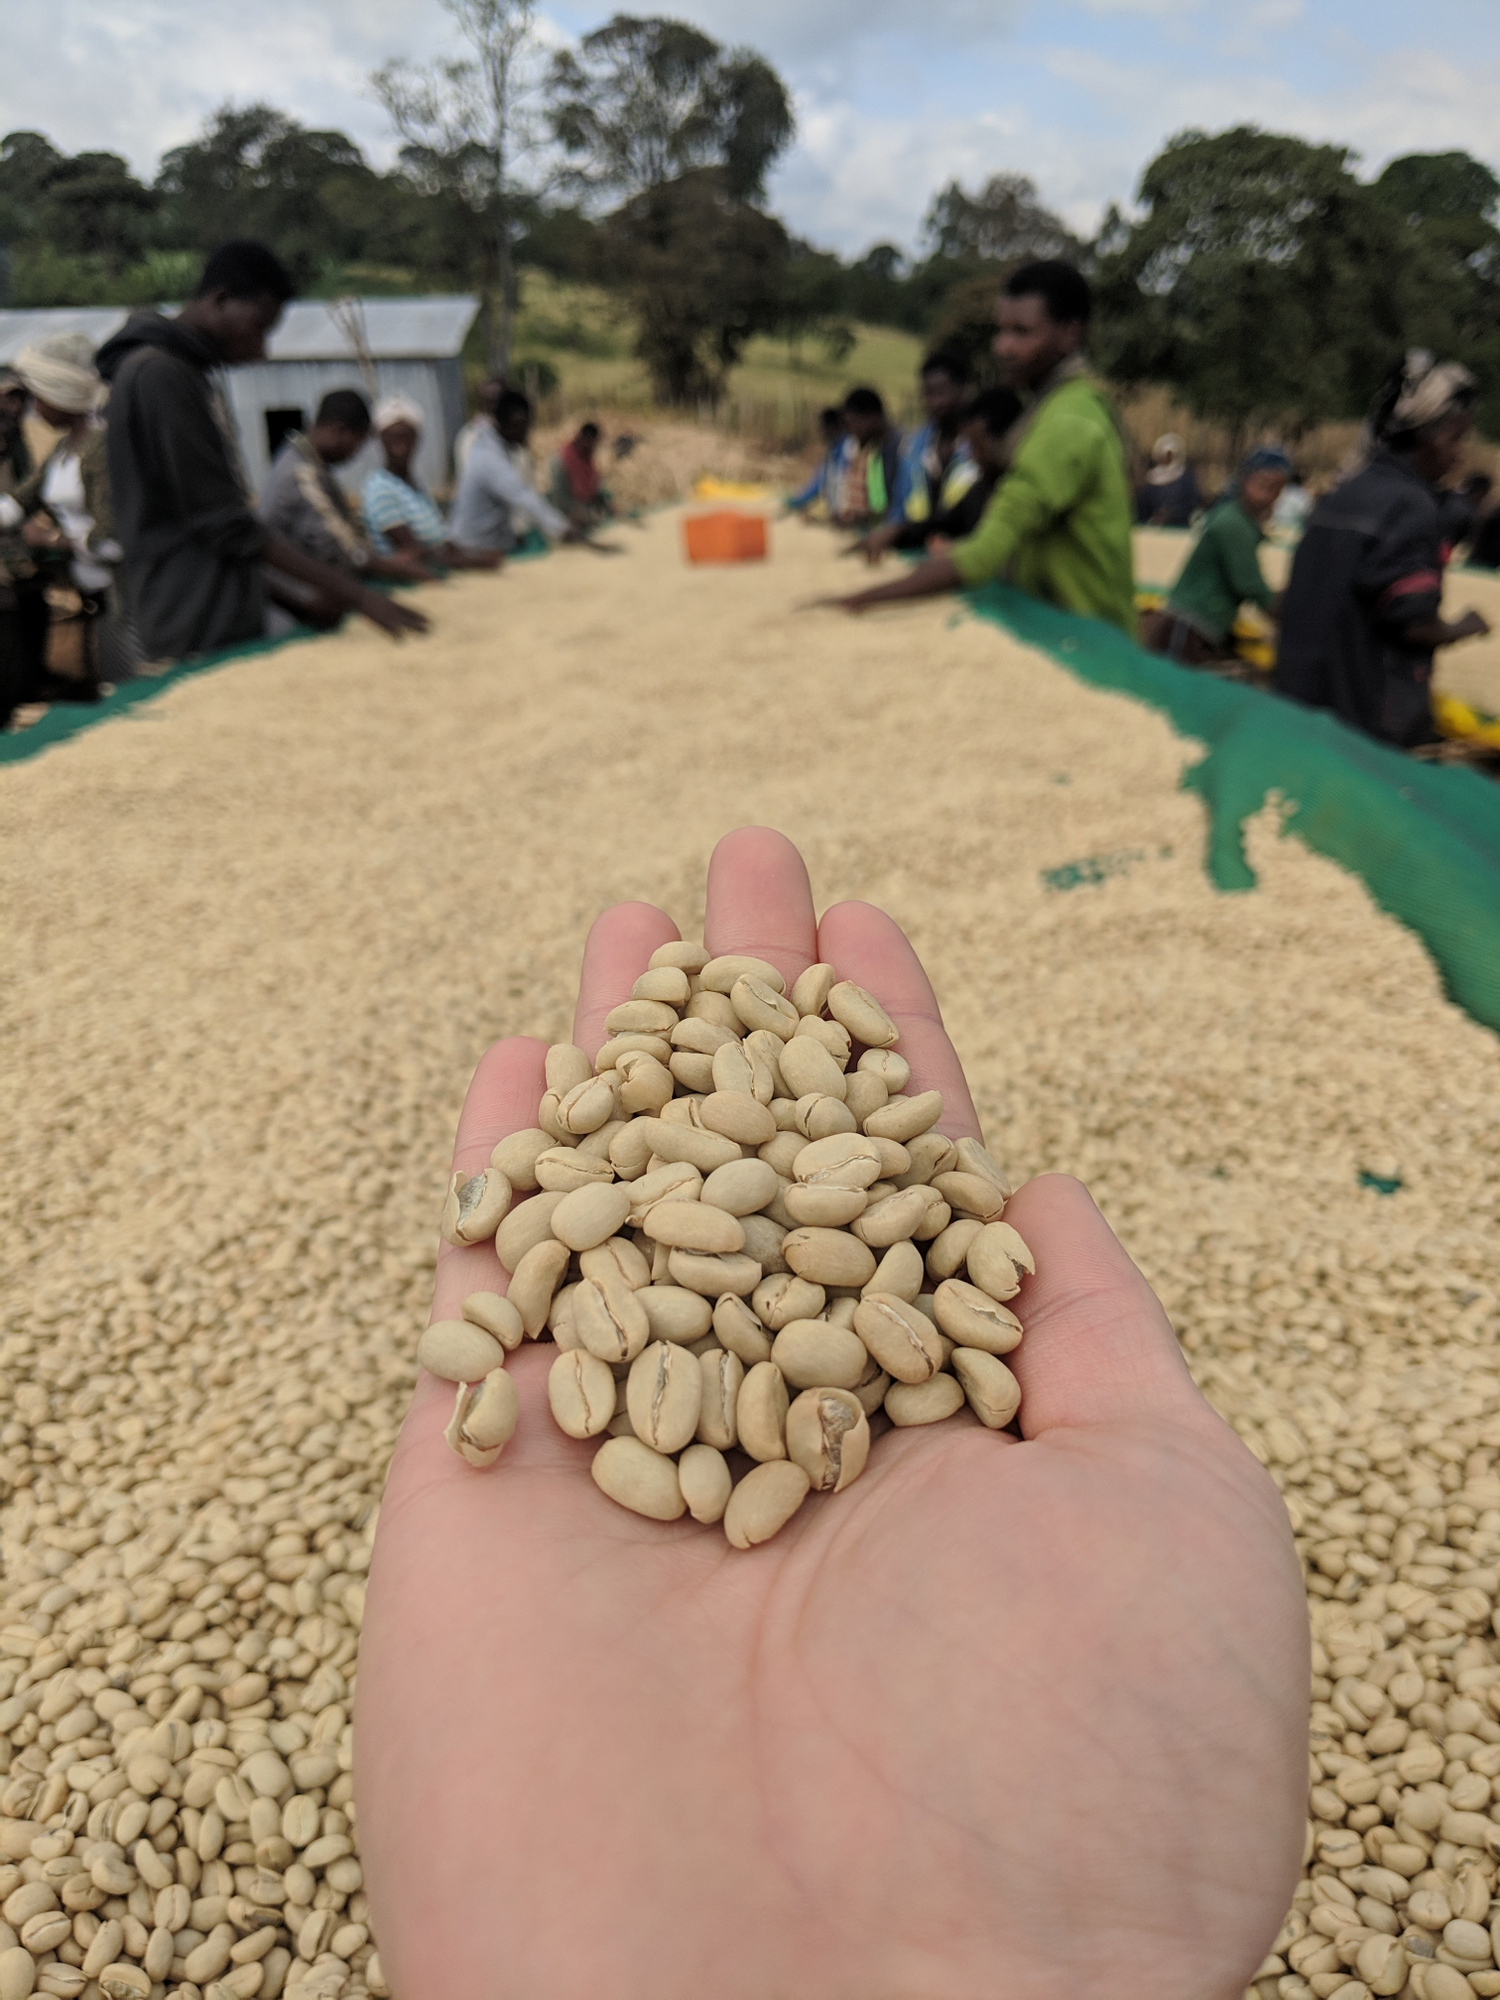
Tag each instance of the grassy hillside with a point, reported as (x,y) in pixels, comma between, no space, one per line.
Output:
(585,337)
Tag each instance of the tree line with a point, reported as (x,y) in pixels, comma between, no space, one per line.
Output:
(1260,279)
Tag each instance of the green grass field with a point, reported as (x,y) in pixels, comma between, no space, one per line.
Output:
(586,337)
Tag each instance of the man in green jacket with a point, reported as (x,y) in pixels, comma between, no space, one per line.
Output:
(1059,523)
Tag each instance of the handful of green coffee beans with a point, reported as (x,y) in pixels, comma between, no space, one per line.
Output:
(725,1238)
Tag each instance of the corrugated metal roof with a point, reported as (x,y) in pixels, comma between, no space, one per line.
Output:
(393,329)
(19,329)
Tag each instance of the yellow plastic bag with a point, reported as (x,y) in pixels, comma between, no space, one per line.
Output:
(1455,718)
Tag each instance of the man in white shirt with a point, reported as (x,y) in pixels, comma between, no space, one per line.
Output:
(497,501)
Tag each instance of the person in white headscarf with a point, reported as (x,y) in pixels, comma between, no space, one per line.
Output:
(71,488)
(400,515)
(1168,497)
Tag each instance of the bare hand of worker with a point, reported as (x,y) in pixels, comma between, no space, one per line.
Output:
(390,615)
(1473,625)
(40,531)
(1004,1718)
(876,543)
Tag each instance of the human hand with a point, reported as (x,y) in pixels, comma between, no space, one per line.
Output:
(875,544)
(1473,625)
(39,531)
(1026,1718)
(395,618)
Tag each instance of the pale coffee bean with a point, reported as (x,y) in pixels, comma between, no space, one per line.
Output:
(703,1476)
(811,988)
(590,1104)
(830,1035)
(947,1252)
(618,1258)
(675,1314)
(894,1159)
(664,1393)
(640,1017)
(972,1318)
(974,1159)
(742,1187)
(930,1402)
(581,1392)
(900,1272)
(761,1412)
(893,1070)
(863,1093)
(691,1072)
(814,1353)
(997,1257)
(590,1216)
(845,1160)
(994,1393)
(720,975)
(645,1083)
(476,1206)
(560,1322)
(819,1117)
(902,1339)
(704,1038)
(529,1223)
(564,1169)
(496,1315)
(635,1476)
(535,1280)
(937,1218)
(484,1420)
(739,1330)
(722,1375)
(808,1067)
(761,1007)
(712,1007)
(732,1069)
(828,1435)
(930,1153)
(840,1310)
(516,1157)
(680,1181)
(694,1225)
(781,1299)
(862,1014)
(566,1067)
(703,1150)
(764,1051)
(906,1118)
(820,1207)
(738,1116)
(828,1257)
(894,1220)
(870,1390)
(712,1275)
(610,1052)
(458,1351)
(610,1320)
(691,957)
(663,982)
(971,1194)
(763,1502)
(781,1154)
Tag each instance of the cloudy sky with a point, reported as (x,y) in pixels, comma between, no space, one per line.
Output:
(893,98)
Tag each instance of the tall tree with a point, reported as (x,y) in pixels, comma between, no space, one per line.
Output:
(1262,280)
(471,128)
(1001,223)
(642,101)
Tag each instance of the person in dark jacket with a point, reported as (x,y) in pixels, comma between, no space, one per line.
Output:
(1362,614)
(984,426)
(869,472)
(199,569)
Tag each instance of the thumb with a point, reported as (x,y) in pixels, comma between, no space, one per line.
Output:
(1098,1347)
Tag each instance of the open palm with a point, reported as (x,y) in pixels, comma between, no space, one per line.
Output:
(1006,1718)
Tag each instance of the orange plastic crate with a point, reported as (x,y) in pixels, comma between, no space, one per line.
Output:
(725,536)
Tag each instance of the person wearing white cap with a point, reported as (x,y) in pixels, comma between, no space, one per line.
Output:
(400,515)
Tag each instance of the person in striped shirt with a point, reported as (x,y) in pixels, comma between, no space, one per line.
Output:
(401,517)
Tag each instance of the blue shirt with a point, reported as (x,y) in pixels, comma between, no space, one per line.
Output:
(389,502)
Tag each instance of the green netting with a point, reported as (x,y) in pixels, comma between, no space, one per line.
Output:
(1425,838)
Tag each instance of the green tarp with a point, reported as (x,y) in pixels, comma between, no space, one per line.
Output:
(1425,838)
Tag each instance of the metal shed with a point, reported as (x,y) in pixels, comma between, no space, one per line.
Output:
(383,347)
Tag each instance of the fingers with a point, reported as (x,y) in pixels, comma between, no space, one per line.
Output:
(760,901)
(620,944)
(502,1098)
(1098,1346)
(865,945)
